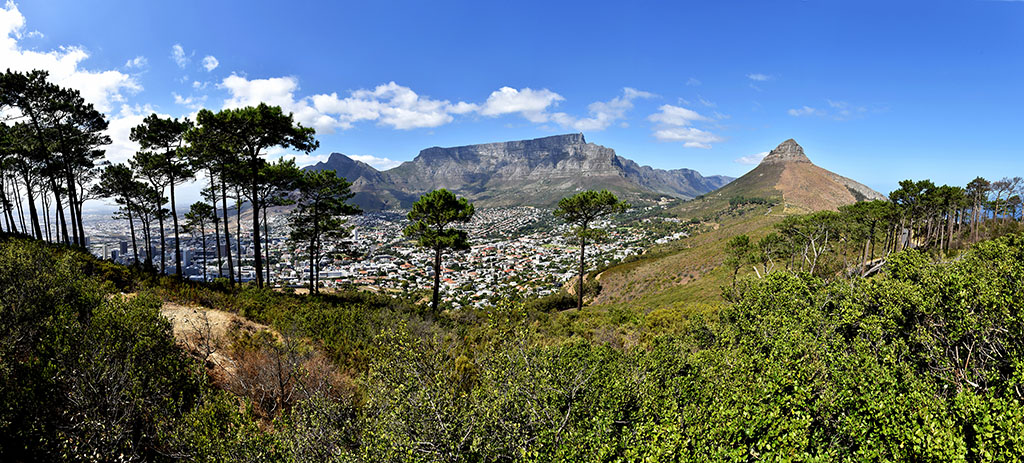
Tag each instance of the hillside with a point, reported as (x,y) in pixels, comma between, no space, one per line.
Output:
(526,172)
(93,371)
(687,271)
(788,174)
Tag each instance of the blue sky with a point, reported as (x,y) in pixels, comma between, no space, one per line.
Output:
(877,91)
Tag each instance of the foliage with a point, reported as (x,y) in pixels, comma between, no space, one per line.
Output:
(432,217)
(580,210)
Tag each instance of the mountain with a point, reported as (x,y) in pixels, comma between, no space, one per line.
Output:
(526,172)
(788,174)
(691,269)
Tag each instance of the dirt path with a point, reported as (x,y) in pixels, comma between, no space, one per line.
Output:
(207,333)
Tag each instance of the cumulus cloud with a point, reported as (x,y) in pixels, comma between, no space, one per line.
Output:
(675,115)
(210,63)
(529,103)
(120,128)
(674,125)
(602,113)
(388,104)
(101,88)
(759,77)
(691,137)
(392,105)
(692,82)
(378,163)
(752,159)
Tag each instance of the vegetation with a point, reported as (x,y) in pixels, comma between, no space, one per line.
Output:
(883,330)
(432,216)
(321,202)
(581,210)
(919,363)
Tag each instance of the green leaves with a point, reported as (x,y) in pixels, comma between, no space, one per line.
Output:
(584,207)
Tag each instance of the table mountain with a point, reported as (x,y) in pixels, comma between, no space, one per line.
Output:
(534,172)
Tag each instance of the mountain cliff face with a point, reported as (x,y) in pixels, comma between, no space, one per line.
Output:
(527,172)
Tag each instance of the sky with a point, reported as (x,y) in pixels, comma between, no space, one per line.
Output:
(875,91)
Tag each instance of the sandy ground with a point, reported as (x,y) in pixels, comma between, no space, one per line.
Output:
(206,333)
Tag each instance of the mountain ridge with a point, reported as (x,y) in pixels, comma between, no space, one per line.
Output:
(534,172)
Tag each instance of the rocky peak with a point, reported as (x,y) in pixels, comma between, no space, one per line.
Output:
(787,151)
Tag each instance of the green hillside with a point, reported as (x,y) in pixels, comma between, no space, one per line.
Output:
(795,368)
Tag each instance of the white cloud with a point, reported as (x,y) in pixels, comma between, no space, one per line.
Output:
(137,63)
(101,88)
(178,55)
(752,159)
(805,111)
(838,110)
(529,103)
(691,137)
(759,77)
(675,115)
(692,82)
(674,126)
(378,163)
(390,104)
(843,110)
(210,63)
(120,128)
(602,113)
(194,103)
(276,91)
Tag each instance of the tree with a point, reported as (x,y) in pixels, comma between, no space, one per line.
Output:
(61,134)
(196,219)
(581,210)
(977,191)
(250,131)
(117,182)
(166,137)
(322,197)
(432,217)
(739,251)
(277,180)
(209,148)
(149,165)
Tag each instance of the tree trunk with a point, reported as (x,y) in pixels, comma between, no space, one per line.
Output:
(583,254)
(216,221)
(60,215)
(437,279)
(238,230)
(149,243)
(131,226)
(33,214)
(266,236)
(256,221)
(163,240)
(202,232)
(177,247)
(227,233)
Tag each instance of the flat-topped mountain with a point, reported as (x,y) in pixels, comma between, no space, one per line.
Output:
(787,172)
(525,172)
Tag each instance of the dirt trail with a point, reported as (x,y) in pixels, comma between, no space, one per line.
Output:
(206,333)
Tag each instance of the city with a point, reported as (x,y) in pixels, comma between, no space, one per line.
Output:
(515,252)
